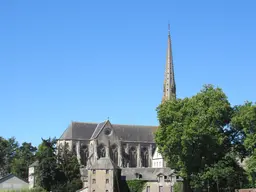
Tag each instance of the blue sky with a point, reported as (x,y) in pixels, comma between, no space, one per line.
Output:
(63,61)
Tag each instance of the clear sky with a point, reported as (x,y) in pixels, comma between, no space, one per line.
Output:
(63,61)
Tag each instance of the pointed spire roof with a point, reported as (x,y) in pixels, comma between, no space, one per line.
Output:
(169,91)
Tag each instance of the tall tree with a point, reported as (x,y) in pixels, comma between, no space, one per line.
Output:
(3,156)
(57,171)
(25,155)
(69,165)
(8,148)
(192,133)
(243,124)
(47,170)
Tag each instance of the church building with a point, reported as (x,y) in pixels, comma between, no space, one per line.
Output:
(110,152)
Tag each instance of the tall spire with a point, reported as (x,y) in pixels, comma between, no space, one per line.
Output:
(169,91)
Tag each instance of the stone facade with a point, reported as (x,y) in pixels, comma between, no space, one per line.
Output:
(128,148)
(103,176)
(109,140)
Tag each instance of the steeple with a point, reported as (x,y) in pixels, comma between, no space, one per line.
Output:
(169,91)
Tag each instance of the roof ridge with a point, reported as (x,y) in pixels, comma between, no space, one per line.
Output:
(12,175)
(85,122)
(136,125)
(116,124)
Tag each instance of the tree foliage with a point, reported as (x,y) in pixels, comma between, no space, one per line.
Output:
(57,170)
(69,165)
(25,155)
(136,185)
(197,138)
(244,127)
(3,156)
(14,158)
(47,171)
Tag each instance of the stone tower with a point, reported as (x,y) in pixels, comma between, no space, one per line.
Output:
(103,176)
(169,91)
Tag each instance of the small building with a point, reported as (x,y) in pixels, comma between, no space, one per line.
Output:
(12,182)
(105,176)
(102,176)
(31,172)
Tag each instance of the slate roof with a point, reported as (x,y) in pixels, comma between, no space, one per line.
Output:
(135,132)
(79,131)
(9,176)
(87,131)
(149,174)
(103,164)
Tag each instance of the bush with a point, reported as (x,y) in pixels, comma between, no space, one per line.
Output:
(136,185)
(178,187)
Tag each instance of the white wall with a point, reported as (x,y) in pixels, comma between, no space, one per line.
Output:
(157,160)
(31,177)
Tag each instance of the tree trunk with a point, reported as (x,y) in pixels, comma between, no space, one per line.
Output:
(186,186)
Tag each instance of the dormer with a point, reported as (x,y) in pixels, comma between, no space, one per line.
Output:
(161,177)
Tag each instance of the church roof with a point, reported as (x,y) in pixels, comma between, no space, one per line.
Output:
(79,131)
(87,131)
(135,132)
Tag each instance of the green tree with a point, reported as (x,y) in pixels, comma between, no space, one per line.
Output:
(226,173)
(58,170)
(47,170)
(25,155)
(192,133)
(3,156)
(69,165)
(243,125)
(8,149)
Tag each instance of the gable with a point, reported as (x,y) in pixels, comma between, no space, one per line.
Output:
(12,182)
(99,129)
(107,134)
(157,155)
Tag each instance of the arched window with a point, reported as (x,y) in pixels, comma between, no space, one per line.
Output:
(74,149)
(133,157)
(144,157)
(101,151)
(114,153)
(84,152)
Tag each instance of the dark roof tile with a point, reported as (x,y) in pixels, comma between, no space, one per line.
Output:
(86,131)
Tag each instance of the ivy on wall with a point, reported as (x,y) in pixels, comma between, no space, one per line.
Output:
(136,185)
